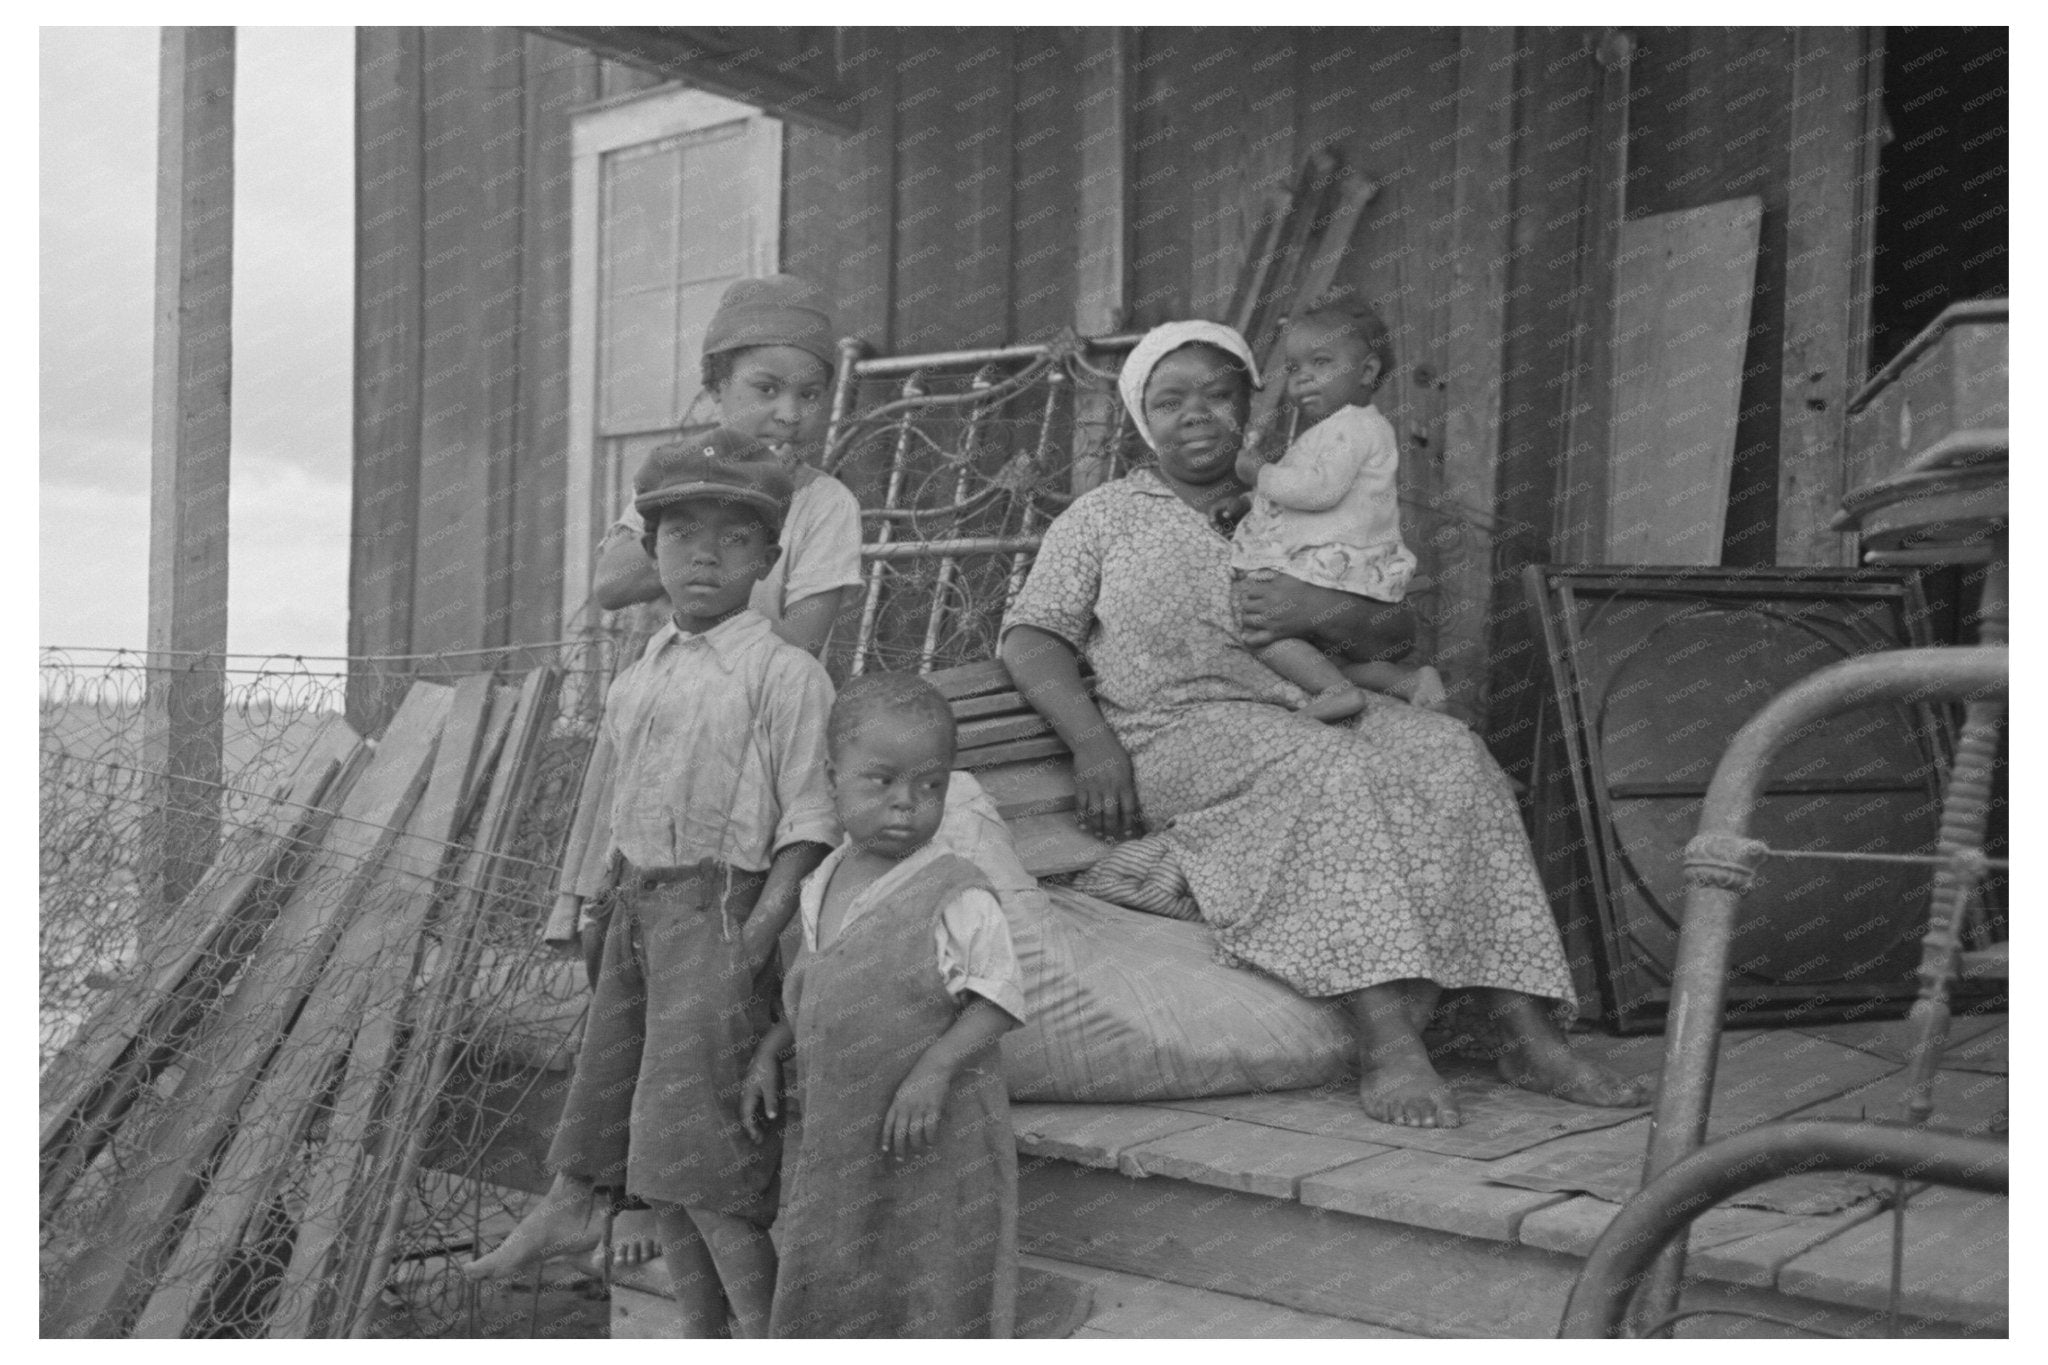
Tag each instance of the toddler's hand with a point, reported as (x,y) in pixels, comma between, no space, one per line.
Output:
(911,1124)
(760,1091)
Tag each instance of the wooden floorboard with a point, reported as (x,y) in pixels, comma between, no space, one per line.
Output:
(1957,1255)
(1427,1190)
(1092,1134)
(1244,1156)
(1133,1307)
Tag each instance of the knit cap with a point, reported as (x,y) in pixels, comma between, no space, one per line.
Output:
(774,310)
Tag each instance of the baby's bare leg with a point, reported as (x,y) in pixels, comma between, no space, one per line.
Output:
(1331,695)
(1396,1082)
(700,1299)
(745,1259)
(1419,686)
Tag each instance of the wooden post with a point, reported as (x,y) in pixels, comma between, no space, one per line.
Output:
(384,518)
(188,485)
(1480,245)
(1102,235)
(1579,534)
(1832,185)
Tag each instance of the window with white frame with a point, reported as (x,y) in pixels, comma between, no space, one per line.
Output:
(676,193)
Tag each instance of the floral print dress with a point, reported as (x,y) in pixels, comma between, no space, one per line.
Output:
(1334,858)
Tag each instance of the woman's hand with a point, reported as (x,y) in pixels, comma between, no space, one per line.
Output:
(1105,788)
(912,1121)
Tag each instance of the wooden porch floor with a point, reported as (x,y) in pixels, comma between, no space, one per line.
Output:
(1526,1172)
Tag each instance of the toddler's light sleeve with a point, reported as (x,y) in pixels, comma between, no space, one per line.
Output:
(1317,470)
(975,952)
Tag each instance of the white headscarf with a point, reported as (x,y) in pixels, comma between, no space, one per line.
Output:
(1163,341)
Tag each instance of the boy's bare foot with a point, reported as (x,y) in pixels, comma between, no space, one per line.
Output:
(1335,703)
(635,1241)
(568,1221)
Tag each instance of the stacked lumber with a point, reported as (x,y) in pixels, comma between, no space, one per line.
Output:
(1295,254)
(291,1048)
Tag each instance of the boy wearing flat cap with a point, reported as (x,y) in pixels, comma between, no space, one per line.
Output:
(720,808)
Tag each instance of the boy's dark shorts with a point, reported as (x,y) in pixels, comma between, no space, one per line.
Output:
(654,1107)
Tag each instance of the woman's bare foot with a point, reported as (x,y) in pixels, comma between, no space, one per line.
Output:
(635,1241)
(1535,1056)
(1396,1082)
(1335,703)
(568,1221)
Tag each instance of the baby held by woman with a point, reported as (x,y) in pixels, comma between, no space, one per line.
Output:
(1325,513)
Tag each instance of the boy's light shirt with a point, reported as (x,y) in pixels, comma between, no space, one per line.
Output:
(972,937)
(721,745)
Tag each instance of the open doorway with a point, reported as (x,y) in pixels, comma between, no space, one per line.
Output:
(1942,186)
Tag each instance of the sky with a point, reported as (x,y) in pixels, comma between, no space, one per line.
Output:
(293,322)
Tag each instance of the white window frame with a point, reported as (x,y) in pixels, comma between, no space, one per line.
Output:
(628,121)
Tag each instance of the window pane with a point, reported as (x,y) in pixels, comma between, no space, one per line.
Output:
(637,361)
(714,226)
(639,224)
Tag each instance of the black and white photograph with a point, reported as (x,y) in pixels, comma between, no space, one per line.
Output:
(1138,681)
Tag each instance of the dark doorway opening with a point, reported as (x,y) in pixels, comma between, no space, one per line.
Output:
(1942,179)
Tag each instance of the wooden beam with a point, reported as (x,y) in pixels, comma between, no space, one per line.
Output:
(1102,262)
(384,515)
(1580,531)
(1832,188)
(802,86)
(188,483)
(1480,248)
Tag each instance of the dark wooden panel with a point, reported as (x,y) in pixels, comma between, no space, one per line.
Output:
(385,501)
(1710,123)
(1046,169)
(558,78)
(499,165)
(837,195)
(1161,188)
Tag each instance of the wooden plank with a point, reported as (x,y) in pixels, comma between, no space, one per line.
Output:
(1051,845)
(1038,787)
(188,461)
(1575,1225)
(996,704)
(1102,227)
(439,1000)
(981,132)
(1974,1102)
(1481,246)
(1683,286)
(1892,1039)
(1755,1260)
(1957,1258)
(1134,1307)
(333,1181)
(984,734)
(385,470)
(1093,1134)
(971,680)
(1831,188)
(1579,530)
(1243,1156)
(1427,1190)
(557,79)
(1047,160)
(1016,751)
(1498,1118)
(928,166)
(360,987)
(122,1254)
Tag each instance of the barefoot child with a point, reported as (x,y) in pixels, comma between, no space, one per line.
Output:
(766,363)
(901,1218)
(721,807)
(1325,513)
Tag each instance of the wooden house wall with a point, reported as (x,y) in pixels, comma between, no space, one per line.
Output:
(953,217)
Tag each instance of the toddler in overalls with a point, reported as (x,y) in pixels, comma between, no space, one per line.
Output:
(901,1215)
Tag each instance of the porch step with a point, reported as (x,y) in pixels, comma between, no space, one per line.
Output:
(1134,1307)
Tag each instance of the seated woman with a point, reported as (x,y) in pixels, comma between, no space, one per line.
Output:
(1378,863)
